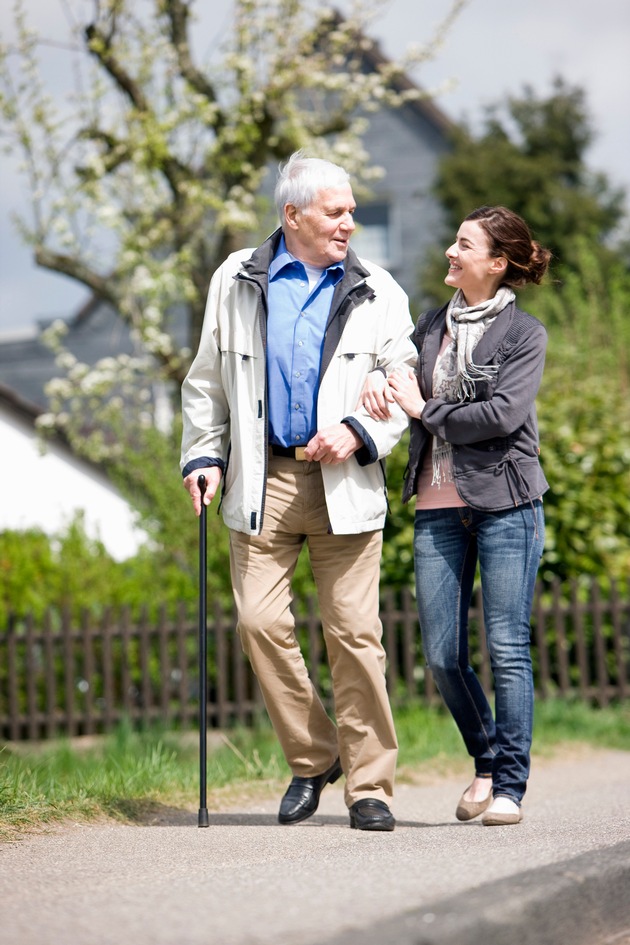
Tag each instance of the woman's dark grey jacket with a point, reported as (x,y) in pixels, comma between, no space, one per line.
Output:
(494,436)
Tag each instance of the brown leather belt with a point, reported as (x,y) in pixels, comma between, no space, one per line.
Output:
(291,452)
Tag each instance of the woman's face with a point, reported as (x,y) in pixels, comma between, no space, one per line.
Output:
(471,267)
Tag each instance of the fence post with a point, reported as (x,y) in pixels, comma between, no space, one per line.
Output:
(410,630)
(51,678)
(221,667)
(541,644)
(145,677)
(88,673)
(69,671)
(30,663)
(108,670)
(560,638)
(577,612)
(621,646)
(12,679)
(600,646)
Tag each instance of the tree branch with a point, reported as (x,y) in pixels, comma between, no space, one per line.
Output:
(100,47)
(69,266)
(118,152)
(177,12)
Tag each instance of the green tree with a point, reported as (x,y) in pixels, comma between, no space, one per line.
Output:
(584,415)
(530,156)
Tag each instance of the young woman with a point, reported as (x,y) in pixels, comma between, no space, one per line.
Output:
(474,469)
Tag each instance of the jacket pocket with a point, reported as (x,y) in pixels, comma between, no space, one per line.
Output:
(240,337)
(357,354)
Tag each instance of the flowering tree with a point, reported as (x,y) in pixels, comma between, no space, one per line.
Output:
(154,175)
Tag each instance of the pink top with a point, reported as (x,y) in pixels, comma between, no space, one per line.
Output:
(443,495)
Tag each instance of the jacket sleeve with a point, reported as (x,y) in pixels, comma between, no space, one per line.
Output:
(508,406)
(396,351)
(205,412)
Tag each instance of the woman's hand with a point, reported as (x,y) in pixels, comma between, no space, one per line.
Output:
(406,392)
(376,396)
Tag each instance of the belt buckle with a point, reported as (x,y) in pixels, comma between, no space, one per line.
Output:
(300,454)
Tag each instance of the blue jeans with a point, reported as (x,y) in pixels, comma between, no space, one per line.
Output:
(508,545)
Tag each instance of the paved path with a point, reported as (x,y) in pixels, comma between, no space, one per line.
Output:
(562,877)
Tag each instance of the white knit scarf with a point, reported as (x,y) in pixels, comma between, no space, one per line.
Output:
(455,373)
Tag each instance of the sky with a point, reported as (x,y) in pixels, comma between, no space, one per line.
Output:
(493,50)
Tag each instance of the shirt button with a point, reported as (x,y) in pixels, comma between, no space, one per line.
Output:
(297,374)
(300,344)
(297,406)
(298,437)
(302,284)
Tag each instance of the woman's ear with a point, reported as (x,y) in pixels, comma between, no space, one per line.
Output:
(498,265)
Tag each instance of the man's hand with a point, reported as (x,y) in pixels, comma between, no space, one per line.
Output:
(213,478)
(334,444)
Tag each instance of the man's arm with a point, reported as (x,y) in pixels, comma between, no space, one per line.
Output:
(205,410)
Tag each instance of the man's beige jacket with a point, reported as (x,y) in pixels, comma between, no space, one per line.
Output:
(224,394)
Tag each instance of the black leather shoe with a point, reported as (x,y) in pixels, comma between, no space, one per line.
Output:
(370,814)
(302,796)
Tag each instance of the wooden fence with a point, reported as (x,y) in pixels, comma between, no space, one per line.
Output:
(64,677)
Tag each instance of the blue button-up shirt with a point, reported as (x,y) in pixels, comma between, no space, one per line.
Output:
(296,325)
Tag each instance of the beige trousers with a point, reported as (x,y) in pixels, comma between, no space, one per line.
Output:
(346,570)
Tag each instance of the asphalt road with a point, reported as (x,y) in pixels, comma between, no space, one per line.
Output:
(562,877)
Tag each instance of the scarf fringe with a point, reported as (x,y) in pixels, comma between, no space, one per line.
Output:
(467,380)
(442,459)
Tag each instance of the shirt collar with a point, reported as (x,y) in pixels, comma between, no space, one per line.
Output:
(284,258)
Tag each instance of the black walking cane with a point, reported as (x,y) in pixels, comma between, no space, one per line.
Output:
(203,659)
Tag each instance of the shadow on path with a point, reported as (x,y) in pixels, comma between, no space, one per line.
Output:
(152,814)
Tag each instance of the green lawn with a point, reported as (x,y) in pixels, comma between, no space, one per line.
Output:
(129,775)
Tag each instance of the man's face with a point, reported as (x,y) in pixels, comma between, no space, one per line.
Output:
(319,235)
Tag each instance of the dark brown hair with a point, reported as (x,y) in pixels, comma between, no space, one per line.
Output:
(509,236)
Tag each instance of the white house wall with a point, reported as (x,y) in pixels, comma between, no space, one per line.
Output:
(45,491)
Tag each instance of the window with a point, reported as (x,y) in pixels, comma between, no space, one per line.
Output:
(372,237)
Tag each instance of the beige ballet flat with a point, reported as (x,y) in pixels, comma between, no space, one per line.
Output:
(502,812)
(467,810)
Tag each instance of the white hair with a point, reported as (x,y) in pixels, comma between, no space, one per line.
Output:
(301,178)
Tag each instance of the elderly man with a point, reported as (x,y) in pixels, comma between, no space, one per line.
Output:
(271,407)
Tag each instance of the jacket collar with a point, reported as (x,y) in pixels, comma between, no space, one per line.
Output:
(257,266)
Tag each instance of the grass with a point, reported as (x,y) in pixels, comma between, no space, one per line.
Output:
(134,776)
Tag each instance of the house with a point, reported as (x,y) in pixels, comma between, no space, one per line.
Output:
(44,484)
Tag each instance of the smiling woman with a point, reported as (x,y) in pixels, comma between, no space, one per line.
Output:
(474,468)
(493,247)
(472,268)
